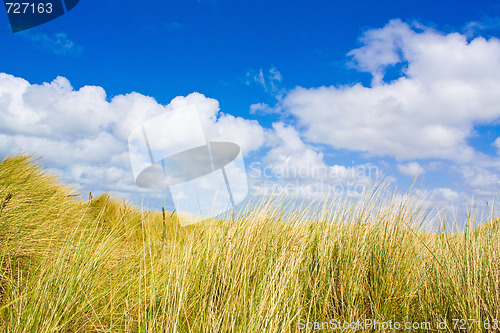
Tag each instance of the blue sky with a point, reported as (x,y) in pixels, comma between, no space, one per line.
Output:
(408,87)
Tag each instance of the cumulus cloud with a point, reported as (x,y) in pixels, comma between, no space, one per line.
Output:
(174,26)
(291,155)
(261,108)
(297,169)
(449,83)
(248,134)
(447,86)
(411,169)
(496,144)
(480,180)
(83,137)
(448,195)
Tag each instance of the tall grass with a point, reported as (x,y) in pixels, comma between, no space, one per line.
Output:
(97,265)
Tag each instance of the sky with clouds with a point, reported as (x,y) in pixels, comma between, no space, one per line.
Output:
(323,97)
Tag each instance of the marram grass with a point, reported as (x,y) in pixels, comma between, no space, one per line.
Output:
(97,265)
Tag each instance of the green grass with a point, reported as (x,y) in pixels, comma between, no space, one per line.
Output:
(97,265)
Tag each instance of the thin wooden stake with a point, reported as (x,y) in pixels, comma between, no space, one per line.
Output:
(164,225)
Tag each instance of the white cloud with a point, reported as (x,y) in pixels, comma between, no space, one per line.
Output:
(83,137)
(480,180)
(448,195)
(248,134)
(496,143)
(449,85)
(411,169)
(292,158)
(174,26)
(261,108)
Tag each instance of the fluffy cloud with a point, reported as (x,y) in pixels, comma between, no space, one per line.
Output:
(294,168)
(261,108)
(83,137)
(480,180)
(411,169)
(496,144)
(58,43)
(448,84)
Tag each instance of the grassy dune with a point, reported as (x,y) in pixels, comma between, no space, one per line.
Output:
(72,265)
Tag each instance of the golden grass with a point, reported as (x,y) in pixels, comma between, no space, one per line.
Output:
(70,265)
